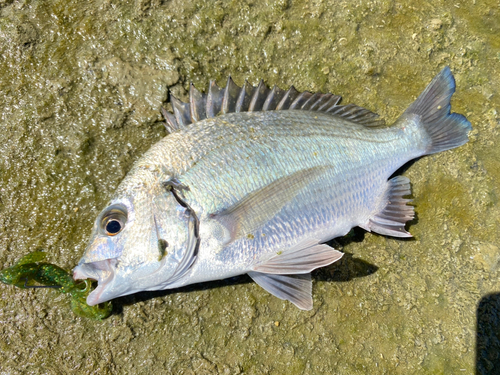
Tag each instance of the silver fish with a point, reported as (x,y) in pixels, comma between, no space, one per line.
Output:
(254,180)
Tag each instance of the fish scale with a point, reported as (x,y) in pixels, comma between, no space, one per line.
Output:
(293,143)
(254,180)
(327,208)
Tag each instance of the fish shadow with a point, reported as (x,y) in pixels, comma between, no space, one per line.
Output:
(346,269)
(131,299)
(488,335)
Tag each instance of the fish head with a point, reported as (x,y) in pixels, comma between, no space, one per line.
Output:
(143,240)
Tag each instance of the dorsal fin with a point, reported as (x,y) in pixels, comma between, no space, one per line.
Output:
(197,104)
(247,98)
(273,98)
(214,99)
(287,99)
(231,92)
(244,97)
(259,97)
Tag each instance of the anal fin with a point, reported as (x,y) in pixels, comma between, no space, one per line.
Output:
(393,217)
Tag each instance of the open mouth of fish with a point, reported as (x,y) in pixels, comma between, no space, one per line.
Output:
(102,272)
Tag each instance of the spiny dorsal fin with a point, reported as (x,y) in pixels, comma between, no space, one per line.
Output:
(181,112)
(171,123)
(259,97)
(214,99)
(231,92)
(273,99)
(244,97)
(197,103)
(288,98)
(247,98)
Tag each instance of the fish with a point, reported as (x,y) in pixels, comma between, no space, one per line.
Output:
(254,180)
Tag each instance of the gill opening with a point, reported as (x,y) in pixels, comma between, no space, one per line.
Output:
(193,242)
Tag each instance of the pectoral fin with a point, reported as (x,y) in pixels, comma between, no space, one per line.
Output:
(258,207)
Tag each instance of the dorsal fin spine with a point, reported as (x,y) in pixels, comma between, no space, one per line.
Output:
(287,99)
(181,111)
(197,104)
(242,97)
(247,98)
(171,124)
(300,100)
(214,99)
(230,96)
(332,101)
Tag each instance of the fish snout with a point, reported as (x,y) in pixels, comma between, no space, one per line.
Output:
(99,270)
(103,272)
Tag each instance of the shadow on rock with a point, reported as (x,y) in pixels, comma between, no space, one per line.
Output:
(488,335)
(144,296)
(345,269)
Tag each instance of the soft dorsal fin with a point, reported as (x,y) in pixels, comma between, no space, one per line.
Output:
(247,98)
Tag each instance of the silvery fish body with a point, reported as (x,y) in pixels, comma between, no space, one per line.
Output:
(260,187)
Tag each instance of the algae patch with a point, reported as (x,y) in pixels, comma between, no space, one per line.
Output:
(30,271)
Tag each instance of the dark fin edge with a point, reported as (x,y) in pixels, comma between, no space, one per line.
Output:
(446,130)
(393,217)
(247,98)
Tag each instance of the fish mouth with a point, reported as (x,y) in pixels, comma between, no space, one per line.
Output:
(103,272)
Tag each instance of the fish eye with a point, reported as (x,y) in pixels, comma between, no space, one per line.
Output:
(113,226)
(113,220)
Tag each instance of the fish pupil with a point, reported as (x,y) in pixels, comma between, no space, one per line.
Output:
(113,226)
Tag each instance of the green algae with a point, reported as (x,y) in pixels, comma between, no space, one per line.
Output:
(81,85)
(30,272)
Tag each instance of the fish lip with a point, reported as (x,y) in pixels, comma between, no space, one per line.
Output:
(103,272)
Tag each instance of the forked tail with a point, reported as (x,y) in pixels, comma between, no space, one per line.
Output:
(446,130)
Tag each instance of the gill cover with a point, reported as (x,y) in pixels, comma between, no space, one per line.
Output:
(184,259)
(154,246)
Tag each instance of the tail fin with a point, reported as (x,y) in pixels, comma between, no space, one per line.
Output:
(446,130)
